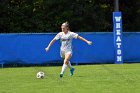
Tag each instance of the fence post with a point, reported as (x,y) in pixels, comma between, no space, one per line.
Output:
(117,27)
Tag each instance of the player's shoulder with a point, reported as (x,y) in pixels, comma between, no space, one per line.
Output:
(71,32)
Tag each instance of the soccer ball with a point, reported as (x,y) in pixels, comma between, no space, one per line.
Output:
(40,75)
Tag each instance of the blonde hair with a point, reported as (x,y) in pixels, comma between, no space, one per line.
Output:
(66,24)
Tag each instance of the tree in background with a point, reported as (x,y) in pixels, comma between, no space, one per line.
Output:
(24,16)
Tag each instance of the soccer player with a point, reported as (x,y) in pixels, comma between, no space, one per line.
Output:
(66,37)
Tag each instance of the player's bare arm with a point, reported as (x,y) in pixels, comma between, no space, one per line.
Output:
(50,44)
(83,39)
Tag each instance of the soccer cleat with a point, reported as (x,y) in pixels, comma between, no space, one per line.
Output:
(71,71)
(61,75)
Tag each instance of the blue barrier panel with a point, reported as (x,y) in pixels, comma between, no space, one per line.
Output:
(27,48)
(30,48)
(102,50)
(131,45)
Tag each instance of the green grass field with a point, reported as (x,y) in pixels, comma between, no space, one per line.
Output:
(110,78)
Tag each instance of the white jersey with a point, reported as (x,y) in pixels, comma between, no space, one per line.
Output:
(66,40)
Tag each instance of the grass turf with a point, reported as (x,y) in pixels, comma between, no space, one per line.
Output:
(109,78)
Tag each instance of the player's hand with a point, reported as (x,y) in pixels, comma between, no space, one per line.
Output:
(89,42)
(47,49)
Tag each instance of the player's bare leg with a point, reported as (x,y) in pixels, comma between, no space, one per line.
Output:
(71,69)
(65,63)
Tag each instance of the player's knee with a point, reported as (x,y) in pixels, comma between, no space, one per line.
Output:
(66,61)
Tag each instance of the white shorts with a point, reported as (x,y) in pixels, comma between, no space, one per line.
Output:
(63,53)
